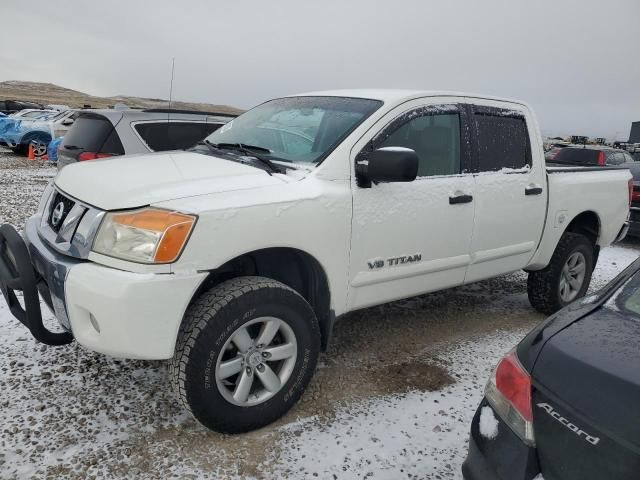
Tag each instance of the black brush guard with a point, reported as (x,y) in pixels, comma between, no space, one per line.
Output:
(18,275)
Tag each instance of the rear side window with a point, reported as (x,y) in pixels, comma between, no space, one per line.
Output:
(163,136)
(503,139)
(93,133)
(577,156)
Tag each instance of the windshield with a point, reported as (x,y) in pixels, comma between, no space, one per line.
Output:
(296,129)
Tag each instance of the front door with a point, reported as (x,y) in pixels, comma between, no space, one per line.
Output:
(414,237)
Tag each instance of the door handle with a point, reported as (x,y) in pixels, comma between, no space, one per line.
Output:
(464,198)
(533,190)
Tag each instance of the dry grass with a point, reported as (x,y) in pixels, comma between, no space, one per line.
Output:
(48,93)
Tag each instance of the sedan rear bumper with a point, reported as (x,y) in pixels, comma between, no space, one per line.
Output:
(504,457)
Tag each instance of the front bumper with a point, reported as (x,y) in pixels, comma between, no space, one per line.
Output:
(128,315)
(504,457)
(119,313)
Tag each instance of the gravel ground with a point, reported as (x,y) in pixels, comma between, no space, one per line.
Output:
(392,398)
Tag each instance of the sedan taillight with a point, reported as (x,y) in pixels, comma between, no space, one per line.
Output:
(509,393)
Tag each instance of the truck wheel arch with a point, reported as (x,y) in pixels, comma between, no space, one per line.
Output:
(295,268)
(588,224)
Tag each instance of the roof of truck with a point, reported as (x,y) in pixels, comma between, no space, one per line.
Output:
(396,95)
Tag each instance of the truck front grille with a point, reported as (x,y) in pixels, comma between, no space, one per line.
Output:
(59,209)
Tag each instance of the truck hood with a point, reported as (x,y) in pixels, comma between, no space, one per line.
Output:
(139,180)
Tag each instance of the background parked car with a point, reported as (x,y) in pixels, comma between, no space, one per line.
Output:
(564,403)
(634,214)
(590,155)
(33,113)
(36,128)
(13,106)
(106,133)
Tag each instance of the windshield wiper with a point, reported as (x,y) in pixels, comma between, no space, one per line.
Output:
(249,150)
(242,147)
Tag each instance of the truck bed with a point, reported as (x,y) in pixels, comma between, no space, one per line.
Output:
(602,191)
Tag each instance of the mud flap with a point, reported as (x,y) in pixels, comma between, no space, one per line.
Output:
(17,274)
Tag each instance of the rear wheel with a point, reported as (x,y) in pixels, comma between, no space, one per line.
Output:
(245,352)
(567,276)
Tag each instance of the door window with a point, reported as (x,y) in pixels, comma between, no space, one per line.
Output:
(163,136)
(503,140)
(434,137)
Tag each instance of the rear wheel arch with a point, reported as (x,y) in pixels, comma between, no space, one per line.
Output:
(294,268)
(587,224)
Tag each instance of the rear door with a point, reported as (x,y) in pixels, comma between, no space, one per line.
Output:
(510,190)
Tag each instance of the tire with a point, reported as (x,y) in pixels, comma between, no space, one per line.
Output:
(37,140)
(544,286)
(207,339)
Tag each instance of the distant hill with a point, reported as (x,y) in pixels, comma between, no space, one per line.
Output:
(48,93)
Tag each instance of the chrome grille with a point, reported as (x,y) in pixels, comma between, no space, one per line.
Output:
(72,228)
(60,207)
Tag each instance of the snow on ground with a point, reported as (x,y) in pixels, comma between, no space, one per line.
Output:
(413,435)
(393,398)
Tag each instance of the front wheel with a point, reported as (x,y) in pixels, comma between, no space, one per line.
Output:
(567,276)
(245,353)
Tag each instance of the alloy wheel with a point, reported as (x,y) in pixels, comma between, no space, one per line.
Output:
(572,276)
(256,361)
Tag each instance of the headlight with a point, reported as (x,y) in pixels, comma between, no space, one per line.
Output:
(148,235)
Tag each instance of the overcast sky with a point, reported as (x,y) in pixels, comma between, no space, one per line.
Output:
(577,62)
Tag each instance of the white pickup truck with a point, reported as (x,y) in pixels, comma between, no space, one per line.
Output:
(234,259)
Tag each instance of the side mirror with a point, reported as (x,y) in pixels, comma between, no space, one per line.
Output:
(67,122)
(388,164)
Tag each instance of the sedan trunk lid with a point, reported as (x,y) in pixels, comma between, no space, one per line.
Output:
(586,399)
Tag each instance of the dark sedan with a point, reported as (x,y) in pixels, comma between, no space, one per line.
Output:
(565,404)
